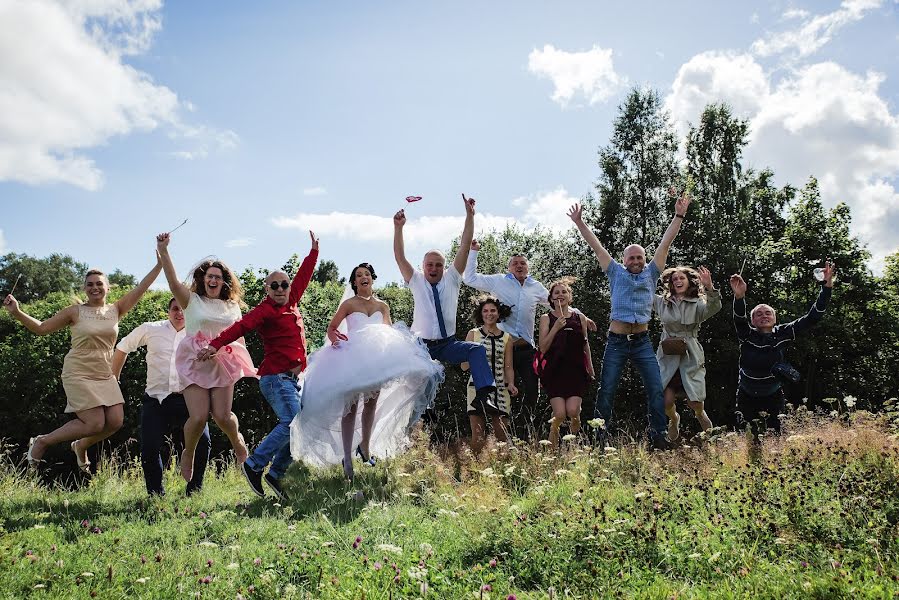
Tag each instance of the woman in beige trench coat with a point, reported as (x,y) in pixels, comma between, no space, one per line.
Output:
(689,298)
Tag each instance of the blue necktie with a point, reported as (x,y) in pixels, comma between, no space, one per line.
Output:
(440,322)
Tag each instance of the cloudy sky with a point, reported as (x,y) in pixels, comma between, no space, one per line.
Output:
(258,121)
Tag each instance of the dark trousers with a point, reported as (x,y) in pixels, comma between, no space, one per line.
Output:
(158,419)
(759,413)
(527,416)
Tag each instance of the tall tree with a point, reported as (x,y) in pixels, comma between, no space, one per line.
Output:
(38,277)
(327,271)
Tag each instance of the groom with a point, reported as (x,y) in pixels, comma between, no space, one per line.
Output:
(435,294)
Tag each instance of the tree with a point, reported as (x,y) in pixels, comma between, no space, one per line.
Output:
(121,279)
(38,277)
(327,271)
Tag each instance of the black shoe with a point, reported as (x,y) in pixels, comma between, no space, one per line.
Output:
(484,401)
(275,484)
(366,459)
(660,442)
(254,478)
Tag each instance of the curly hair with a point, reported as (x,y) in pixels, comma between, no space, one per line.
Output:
(695,288)
(481,301)
(364,265)
(231,288)
(566,281)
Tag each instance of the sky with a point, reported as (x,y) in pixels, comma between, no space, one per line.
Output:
(259,121)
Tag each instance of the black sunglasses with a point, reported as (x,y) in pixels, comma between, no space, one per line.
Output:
(275,285)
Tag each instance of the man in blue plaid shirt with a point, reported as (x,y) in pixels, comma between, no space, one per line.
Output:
(633,285)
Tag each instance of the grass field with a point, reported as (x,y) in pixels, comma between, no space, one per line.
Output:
(815,515)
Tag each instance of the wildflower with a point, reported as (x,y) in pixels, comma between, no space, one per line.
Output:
(377,566)
(143,559)
(390,548)
(233,566)
(209,544)
(426,549)
(545,443)
(569,437)
(158,557)
(492,562)
(141,580)
(804,400)
(695,555)
(511,597)
(87,574)
(610,449)
(209,562)
(201,514)
(849,401)
(39,586)
(486,588)
(639,495)
(85,523)
(356,542)
(597,423)
(257,561)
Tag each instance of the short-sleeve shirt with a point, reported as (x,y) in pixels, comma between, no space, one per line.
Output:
(424,314)
(632,293)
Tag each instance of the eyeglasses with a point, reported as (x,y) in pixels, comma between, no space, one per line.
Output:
(210,276)
(275,285)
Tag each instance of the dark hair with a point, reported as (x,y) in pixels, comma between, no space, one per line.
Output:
(172,300)
(368,266)
(566,281)
(232,289)
(481,301)
(695,288)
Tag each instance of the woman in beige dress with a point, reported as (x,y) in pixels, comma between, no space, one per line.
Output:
(689,298)
(92,392)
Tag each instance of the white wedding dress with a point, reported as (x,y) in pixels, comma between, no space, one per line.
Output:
(374,357)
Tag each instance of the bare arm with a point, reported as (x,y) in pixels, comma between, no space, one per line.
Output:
(385,312)
(399,251)
(547,333)
(467,235)
(602,255)
(179,290)
(118,361)
(590,370)
(508,368)
(333,333)
(127,302)
(468,338)
(60,320)
(680,211)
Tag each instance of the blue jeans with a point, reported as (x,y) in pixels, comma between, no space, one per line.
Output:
(158,419)
(455,352)
(283,394)
(639,351)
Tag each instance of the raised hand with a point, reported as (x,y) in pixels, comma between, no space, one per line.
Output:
(469,205)
(399,219)
(705,277)
(830,269)
(11,304)
(162,242)
(738,286)
(475,245)
(314,240)
(575,213)
(682,204)
(206,353)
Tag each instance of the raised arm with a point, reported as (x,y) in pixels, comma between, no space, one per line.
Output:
(816,311)
(467,235)
(60,320)
(740,316)
(472,278)
(127,302)
(399,251)
(575,213)
(304,273)
(680,211)
(179,290)
(712,302)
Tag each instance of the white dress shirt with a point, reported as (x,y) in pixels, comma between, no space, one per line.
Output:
(424,315)
(522,298)
(161,339)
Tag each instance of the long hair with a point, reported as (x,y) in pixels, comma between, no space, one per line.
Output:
(481,301)
(232,291)
(566,281)
(695,289)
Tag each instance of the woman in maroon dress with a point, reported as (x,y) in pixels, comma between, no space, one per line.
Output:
(568,367)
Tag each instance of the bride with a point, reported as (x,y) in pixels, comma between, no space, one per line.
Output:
(371,360)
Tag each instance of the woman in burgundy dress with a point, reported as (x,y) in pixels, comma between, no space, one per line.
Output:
(568,367)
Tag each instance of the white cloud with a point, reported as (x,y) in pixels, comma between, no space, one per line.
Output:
(815,31)
(2,243)
(590,74)
(201,141)
(820,120)
(66,89)
(318,190)
(547,209)
(240,242)
(754,18)
(795,13)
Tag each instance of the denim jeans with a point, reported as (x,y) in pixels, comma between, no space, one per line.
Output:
(283,394)
(455,352)
(639,351)
(158,419)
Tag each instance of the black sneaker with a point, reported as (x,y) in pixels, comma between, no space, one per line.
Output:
(275,484)
(254,478)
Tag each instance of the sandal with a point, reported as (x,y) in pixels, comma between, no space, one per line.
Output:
(32,462)
(82,465)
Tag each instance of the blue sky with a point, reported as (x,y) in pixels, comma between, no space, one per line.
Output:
(258,121)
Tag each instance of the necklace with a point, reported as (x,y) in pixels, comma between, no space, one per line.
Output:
(366,298)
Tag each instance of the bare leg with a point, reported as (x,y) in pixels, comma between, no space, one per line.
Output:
(221,401)
(347,430)
(114,417)
(198,401)
(87,423)
(478,433)
(501,427)
(673,416)
(558,405)
(573,410)
(368,421)
(699,409)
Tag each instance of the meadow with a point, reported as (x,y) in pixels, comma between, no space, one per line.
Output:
(814,514)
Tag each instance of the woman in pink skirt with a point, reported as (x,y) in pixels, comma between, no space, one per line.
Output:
(211,304)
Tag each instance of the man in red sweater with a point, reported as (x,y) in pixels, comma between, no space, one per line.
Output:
(280,325)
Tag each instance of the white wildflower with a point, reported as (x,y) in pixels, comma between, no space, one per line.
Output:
(390,548)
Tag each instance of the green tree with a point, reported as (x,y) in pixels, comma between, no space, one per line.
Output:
(327,271)
(121,279)
(39,277)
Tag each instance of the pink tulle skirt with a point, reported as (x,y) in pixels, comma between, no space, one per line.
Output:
(227,366)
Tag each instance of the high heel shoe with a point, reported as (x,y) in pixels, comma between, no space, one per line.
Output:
(366,459)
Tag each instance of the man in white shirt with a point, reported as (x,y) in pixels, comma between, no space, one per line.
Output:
(163,411)
(435,294)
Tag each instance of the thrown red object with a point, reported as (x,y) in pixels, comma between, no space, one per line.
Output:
(413,198)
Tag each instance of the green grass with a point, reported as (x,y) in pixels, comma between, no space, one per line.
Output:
(815,516)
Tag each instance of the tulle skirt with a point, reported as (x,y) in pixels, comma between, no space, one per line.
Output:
(376,358)
(227,366)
